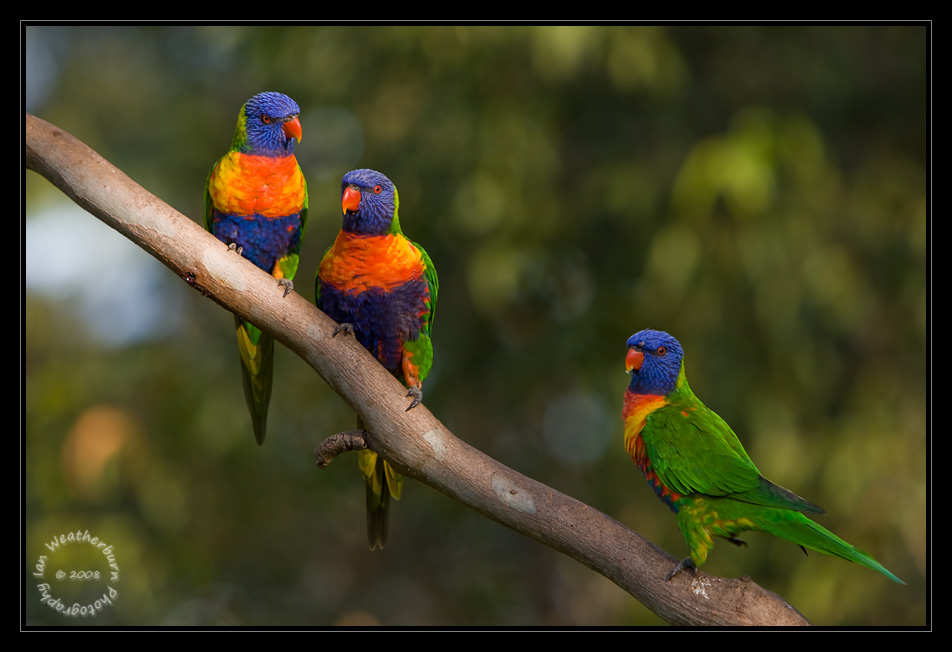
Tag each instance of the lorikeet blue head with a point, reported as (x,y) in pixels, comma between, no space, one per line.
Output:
(369,201)
(268,125)
(654,362)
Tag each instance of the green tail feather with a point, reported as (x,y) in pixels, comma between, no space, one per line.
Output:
(378,508)
(383,483)
(798,529)
(257,370)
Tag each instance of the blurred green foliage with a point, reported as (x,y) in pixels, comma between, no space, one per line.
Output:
(759,192)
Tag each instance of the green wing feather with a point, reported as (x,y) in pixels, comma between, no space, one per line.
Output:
(421,349)
(433,283)
(693,450)
(303,208)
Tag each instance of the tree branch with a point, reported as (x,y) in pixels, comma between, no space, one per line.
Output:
(415,442)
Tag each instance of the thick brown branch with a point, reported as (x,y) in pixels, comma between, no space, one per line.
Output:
(415,442)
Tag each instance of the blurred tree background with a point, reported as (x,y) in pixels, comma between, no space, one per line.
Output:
(759,192)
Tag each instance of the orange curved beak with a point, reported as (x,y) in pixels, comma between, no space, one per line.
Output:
(634,359)
(292,128)
(351,199)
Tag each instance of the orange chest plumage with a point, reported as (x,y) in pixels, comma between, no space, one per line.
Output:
(242,184)
(357,263)
(635,413)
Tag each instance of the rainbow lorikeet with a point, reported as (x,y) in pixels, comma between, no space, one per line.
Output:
(256,203)
(697,466)
(381,287)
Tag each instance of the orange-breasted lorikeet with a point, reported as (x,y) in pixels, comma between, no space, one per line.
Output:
(256,203)
(697,466)
(381,287)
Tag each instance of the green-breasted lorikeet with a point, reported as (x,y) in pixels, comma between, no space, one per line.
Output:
(256,203)
(381,287)
(697,466)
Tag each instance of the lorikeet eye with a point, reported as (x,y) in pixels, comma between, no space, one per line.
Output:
(266,119)
(378,189)
(662,350)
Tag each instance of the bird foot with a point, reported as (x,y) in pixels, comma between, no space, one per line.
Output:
(345,328)
(351,440)
(685,564)
(234,247)
(417,395)
(288,285)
